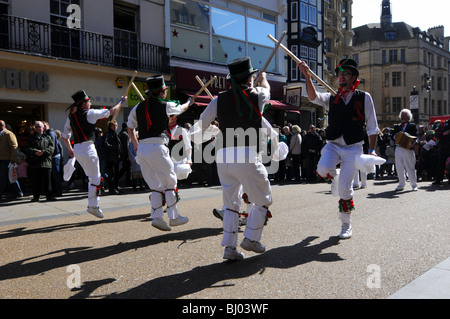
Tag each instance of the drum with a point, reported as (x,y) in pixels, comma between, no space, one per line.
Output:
(405,140)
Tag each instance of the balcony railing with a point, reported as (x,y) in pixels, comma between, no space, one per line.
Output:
(50,40)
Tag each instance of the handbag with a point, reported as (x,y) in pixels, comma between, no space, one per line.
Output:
(12,172)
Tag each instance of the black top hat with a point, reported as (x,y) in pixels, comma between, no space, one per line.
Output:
(241,69)
(156,84)
(80,97)
(348,64)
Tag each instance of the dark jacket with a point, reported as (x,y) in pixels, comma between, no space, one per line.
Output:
(112,146)
(43,143)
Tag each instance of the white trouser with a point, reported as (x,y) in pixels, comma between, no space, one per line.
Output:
(252,176)
(158,172)
(405,161)
(86,155)
(357,178)
(332,155)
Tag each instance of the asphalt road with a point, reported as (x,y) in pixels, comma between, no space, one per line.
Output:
(54,250)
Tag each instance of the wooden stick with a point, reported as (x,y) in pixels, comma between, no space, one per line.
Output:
(258,80)
(297,60)
(203,85)
(138,92)
(126,93)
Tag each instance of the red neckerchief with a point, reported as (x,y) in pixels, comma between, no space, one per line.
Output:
(341,91)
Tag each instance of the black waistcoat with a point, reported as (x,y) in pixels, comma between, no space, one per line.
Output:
(347,120)
(82,130)
(155,110)
(229,117)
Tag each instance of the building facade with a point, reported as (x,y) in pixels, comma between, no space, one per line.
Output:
(52,48)
(403,67)
(338,36)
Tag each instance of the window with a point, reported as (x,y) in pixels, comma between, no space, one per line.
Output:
(327,45)
(344,6)
(392,56)
(294,11)
(65,41)
(308,12)
(344,23)
(304,51)
(125,29)
(207,33)
(383,56)
(402,55)
(312,15)
(386,80)
(396,104)
(294,67)
(387,105)
(389,35)
(304,12)
(396,79)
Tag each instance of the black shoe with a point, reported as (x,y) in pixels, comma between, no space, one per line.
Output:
(114,192)
(35,199)
(51,199)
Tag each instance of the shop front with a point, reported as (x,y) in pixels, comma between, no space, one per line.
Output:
(34,88)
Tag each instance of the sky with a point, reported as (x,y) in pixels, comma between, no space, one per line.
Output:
(417,13)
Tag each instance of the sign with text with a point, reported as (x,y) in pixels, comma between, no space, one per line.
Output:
(293,96)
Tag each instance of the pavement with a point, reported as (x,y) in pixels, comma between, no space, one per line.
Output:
(399,249)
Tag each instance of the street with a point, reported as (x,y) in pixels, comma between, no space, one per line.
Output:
(54,250)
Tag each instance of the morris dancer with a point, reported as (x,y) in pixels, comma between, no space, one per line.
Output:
(405,159)
(81,124)
(151,118)
(238,162)
(348,112)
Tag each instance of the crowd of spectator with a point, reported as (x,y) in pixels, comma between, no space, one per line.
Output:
(40,157)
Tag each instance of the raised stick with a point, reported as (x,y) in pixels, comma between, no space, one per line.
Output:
(137,90)
(203,85)
(126,93)
(258,80)
(297,60)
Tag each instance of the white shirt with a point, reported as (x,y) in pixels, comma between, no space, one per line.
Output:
(323,99)
(172,108)
(93,115)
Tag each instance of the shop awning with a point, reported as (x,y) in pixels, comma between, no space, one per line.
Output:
(278,105)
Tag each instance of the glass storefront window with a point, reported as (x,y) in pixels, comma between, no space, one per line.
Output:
(189,43)
(202,32)
(228,24)
(226,50)
(190,14)
(258,31)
